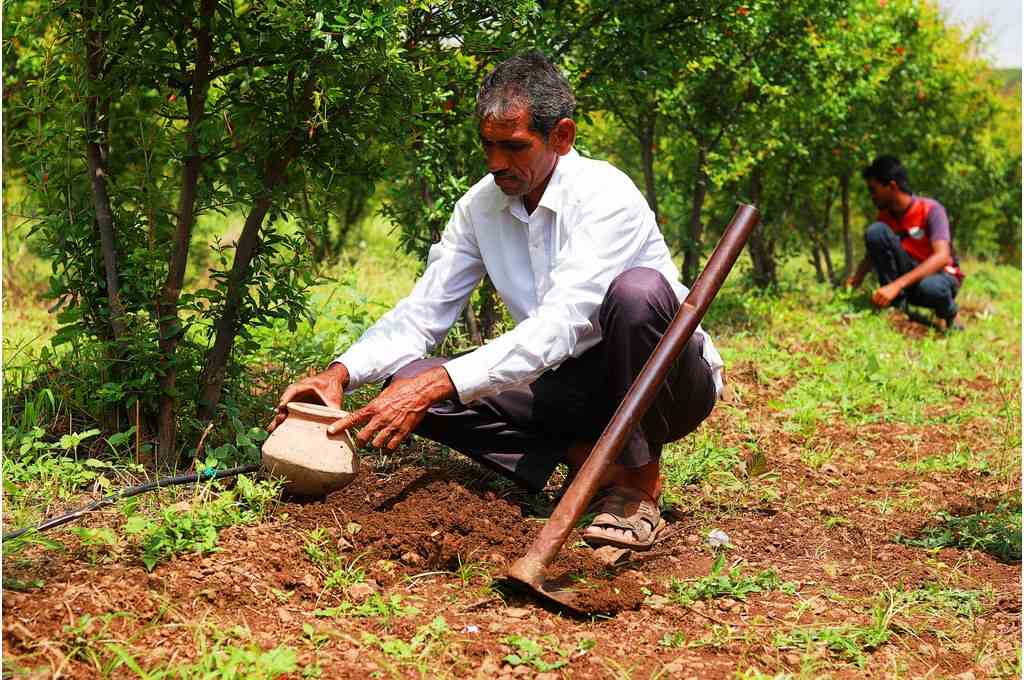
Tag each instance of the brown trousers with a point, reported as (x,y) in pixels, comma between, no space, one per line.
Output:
(524,432)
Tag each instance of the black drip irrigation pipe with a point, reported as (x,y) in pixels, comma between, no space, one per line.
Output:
(208,473)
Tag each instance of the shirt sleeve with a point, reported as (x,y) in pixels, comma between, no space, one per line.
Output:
(605,240)
(938,224)
(419,322)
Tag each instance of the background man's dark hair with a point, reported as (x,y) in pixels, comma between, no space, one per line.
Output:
(530,80)
(885,169)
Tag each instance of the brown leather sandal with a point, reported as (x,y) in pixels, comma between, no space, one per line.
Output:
(627,509)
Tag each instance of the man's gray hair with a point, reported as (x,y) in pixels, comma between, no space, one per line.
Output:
(529,80)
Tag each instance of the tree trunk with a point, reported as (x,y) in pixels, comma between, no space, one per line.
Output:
(167,303)
(823,236)
(646,136)
(819,274)
(215,371)
(760,247)
(472,326)
(848,264)
(489,314)
(691,244)
(96,157)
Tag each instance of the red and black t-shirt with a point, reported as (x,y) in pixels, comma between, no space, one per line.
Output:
(924,221)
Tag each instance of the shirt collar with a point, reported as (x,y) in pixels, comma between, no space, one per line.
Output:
(554,193)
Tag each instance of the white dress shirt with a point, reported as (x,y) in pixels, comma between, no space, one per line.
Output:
(551,268)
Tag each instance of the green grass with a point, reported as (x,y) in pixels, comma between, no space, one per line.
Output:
(731,582)
(997,532)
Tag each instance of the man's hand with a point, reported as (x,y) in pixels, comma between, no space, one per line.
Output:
(327,388)
(395,413)
(886,294)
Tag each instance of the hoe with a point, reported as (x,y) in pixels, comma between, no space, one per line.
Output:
(528,571)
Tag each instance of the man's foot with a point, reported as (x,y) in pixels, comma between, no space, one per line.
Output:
(625,518)
(953,325)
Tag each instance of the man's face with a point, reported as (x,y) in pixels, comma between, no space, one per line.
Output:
(882,195)
(519,158)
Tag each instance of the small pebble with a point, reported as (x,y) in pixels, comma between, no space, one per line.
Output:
(718,538)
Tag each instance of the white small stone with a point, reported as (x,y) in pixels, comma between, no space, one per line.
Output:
(718,538)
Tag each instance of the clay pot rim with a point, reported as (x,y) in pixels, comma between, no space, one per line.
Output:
(318,411)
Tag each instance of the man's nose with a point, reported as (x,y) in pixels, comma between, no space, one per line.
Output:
(496,161)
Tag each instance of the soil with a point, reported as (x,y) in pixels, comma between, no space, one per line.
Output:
(433,528)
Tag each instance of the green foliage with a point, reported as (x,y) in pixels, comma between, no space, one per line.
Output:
(375,606)
(532,653)
(196,528)
(227,659)
(722,582)
(420,651)
(694,458)
(997,532)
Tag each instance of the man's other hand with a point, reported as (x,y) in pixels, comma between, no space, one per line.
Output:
(395,413)
(327,388)
(853,282)
(884,296)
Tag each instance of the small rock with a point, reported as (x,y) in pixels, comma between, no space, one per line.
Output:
(352,655)
(829,469)
(546,676)
(497,558)
(611,556)
(521,671)
(358,592)
(966,675)
(791,658)
(412,559)
(284,615)
(692,539)
(718,538)
(657,601)
(471,629)
(310,581)
(517,613)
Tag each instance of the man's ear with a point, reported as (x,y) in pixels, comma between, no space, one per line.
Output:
(563,136)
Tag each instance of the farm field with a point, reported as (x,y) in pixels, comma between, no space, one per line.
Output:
(864,466)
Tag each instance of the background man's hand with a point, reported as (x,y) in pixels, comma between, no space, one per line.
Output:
(853,281)
(327,388)
(884,296)
(395,413)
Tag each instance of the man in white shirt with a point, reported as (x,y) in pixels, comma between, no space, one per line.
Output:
(575,254)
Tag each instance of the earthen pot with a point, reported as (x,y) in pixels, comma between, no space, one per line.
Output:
(313,462)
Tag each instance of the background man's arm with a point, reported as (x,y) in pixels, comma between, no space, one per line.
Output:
(934,263)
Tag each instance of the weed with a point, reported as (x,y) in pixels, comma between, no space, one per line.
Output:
(530,652)
(196,528)
(958,459)
(935,600)
(997,533)
(694,458)
(852,643)
(336,571)
(97,543)
(470,571)
(374,606)
(727,583)
(420,652)
(674,639)
(227,661)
